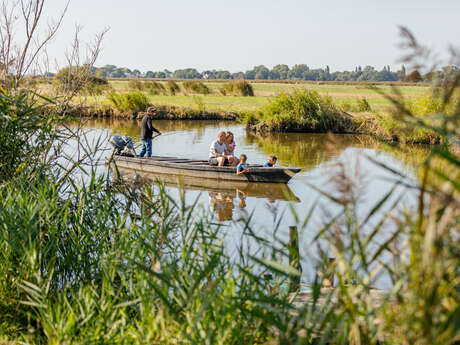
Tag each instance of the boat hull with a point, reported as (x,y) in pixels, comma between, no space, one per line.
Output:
(199,169)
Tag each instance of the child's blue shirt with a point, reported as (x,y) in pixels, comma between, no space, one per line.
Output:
(242,166)
(268,165)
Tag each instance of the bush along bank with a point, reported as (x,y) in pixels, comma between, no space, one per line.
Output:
(418,126)
(301,111)
(307,111)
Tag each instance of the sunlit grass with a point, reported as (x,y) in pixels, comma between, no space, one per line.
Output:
(265,91)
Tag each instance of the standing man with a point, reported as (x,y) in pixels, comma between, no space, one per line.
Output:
(147,130)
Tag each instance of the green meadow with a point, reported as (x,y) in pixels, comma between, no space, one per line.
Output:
(347,94)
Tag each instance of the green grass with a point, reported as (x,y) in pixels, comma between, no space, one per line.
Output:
(264,91)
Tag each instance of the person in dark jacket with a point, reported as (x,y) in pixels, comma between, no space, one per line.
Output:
(147,130)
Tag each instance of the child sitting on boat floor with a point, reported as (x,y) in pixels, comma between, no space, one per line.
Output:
(271,161)
(242,167)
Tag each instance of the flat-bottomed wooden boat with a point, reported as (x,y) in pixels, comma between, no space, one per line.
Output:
(195,168)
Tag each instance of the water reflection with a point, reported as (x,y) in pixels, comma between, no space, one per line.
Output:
(222,194)
(132,127)
(222,205)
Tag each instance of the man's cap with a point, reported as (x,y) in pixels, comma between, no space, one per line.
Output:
(151,109)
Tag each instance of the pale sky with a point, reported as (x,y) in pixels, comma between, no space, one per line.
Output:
(239,34)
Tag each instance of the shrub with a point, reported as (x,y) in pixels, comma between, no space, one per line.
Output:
(389,125)
(128,102)
(363,105)
(172,87)
(196,87)
(237,88)
(155,88)
(304,111)
(95,89)
(76,78)
(26,131)
(136,84)
(347,106)
(243,87)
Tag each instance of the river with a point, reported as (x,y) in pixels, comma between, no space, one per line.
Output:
(273,209)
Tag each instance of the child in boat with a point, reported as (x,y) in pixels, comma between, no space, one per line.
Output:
(242,167)
(230,151)
(271,161)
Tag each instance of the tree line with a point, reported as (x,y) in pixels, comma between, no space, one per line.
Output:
(281,72)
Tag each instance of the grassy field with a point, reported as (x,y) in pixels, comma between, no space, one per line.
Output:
(215,101)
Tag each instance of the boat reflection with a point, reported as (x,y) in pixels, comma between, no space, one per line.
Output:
(270,191)
(223,195)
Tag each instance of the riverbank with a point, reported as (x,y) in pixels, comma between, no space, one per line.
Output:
(275,107)
(164,112)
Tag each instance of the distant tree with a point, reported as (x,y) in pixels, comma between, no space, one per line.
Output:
(401,73)
(251,75)
(208,74)
(223,75)
(280,72)
(238,75)
(160,75)
(149,74)
(187,73)
(261,72)
(117,73)
(168,73)
(299,72)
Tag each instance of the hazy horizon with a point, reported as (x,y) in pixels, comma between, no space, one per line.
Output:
(236,36)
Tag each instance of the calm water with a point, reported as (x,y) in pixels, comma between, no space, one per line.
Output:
(269,206)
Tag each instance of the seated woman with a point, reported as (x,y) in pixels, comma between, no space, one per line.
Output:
(230,151)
